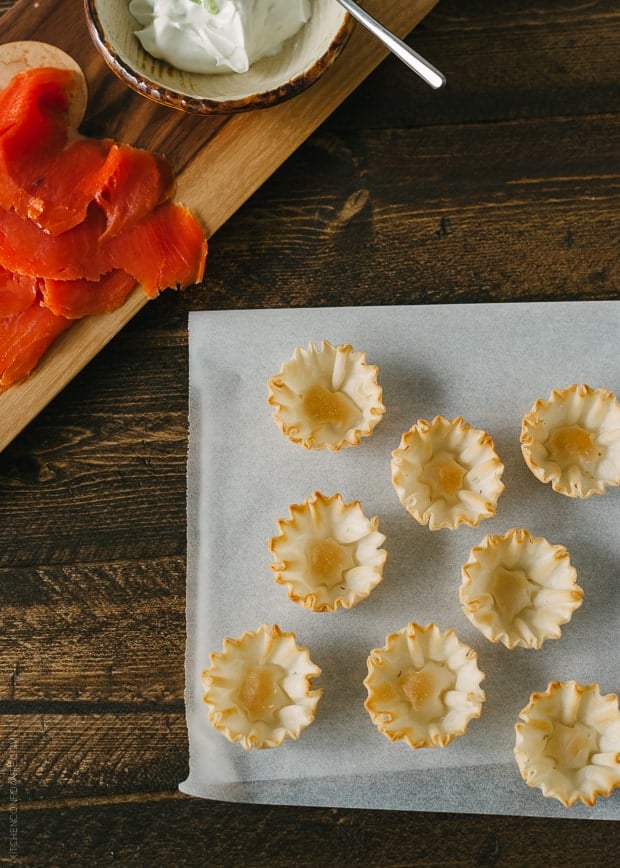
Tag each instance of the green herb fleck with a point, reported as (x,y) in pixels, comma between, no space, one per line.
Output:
(210,5)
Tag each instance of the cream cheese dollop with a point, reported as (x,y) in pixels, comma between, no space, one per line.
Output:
(217,36)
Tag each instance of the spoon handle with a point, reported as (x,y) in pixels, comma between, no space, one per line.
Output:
(409,57)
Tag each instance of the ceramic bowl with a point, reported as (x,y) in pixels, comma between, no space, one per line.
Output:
(301,61)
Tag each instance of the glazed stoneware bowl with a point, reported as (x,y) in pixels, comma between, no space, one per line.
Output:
(300,62)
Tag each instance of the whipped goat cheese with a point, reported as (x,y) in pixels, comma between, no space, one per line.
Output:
(213,36)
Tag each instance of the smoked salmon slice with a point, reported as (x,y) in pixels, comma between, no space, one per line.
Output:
(57,199)
(33,128)
(165,249)
(27,249)
(34,109)
(50,174)
(17,292)
(82,221)
(129,185)
(75,299)
(23,340)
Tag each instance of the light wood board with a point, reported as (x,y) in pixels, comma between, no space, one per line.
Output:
(219,161)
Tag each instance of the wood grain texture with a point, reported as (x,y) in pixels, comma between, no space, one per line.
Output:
(219,835)
(503,186)
(118,634)
(468,220)
(71,479)
(136,744)
(511,61)
(219,162)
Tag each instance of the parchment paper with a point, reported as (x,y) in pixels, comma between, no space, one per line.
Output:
(486,362)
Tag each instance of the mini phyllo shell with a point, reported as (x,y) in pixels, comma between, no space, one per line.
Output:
(326,397)
(258,688)
(447,473)
(568,742)
(572,440)
(518,589)
(328,553)
(423,686)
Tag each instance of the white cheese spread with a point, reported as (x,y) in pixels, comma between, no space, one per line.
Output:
(209,36)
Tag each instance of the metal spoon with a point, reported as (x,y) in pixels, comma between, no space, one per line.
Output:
(409,57)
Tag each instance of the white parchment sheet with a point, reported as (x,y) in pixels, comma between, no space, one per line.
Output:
(486,362)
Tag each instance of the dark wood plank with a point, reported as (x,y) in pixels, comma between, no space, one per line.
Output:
(103,476)
(87,751)
(483,213)
(118,634)
(502,61)
(187,832)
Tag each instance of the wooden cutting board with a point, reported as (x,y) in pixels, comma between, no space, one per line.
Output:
(219,161)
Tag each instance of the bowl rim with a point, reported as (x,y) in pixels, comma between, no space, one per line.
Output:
(163,95)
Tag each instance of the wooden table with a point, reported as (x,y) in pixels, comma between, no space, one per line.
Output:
(503,186)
